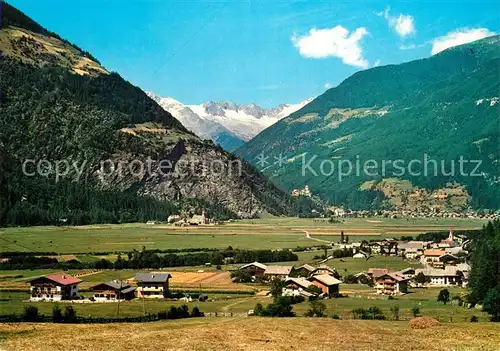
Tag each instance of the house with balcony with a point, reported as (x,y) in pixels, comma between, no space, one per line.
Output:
(112,291)
(152,285)
(255,269)
(54,287)
(277,272)
(446,276)
(391,283)
(431,256)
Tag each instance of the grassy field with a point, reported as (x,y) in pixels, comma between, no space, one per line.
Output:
(259,334)
(270,233)
(357,296)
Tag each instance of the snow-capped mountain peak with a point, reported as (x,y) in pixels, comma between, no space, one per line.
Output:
(237,123)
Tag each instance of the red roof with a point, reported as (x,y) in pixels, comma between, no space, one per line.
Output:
(63,279)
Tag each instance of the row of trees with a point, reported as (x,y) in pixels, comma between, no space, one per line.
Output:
(151,259)
(69,315)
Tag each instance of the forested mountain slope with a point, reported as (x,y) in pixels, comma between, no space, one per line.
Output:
(59,104)
(445,107)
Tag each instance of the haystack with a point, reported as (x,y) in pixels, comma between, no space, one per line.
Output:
(423,323)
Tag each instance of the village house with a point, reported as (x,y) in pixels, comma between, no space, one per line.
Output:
(391,284)
(303,271)
(323,269)
(384,247)
(412,253)
(374,273)
(255,269)
(448,276)
(277,272)
(408,272)
(431,256)
(198,219)
(412,249)
(375,247)
(328,284)
(296,287)
(54,287)
(152,285)
(173,218)
(113,290)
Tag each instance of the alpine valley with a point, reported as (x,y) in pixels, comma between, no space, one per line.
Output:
(430,114)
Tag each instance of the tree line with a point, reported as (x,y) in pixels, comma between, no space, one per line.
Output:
(484,281)
(150,259)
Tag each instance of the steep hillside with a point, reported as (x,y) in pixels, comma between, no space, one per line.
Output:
(224,122)
(445,107)
(119,156)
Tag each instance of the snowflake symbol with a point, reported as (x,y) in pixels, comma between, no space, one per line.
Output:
(279,160)
(262,160)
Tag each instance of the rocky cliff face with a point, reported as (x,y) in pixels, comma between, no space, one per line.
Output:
(187,169)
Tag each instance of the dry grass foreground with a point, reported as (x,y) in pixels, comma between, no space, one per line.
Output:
(251,334)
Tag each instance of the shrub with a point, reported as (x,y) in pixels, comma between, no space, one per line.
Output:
(162,315)
(241,276)
(30,313)
(69,314)
(350,279)
(395,312)
(390,297)
(335,316)
(172,313)
(415,310)
(444,296)
(317,309)
(57,315)
(474,319)
(370,313)
(196,312)
(259,309)
(282,307)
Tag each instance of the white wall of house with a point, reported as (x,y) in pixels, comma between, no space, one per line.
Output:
(52,294)
(151,292)
(291,291)
(443,281)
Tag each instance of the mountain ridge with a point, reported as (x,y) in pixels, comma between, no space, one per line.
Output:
(427,106)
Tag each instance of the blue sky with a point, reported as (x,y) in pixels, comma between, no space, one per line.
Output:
(266,52)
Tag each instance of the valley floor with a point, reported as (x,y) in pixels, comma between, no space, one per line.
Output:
(251,333)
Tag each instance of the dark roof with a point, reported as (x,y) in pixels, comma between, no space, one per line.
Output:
(152,277)
(127,290)
(117,284)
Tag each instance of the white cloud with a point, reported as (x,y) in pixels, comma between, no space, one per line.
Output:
(458,37)
(333,42)
(404,25)
(328,85)
(377,63)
